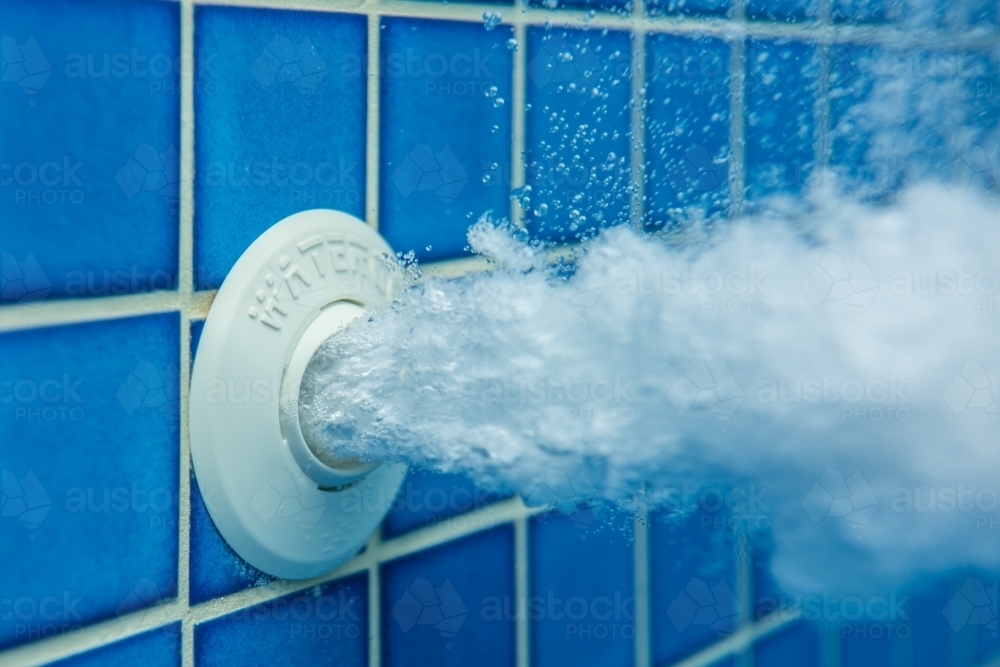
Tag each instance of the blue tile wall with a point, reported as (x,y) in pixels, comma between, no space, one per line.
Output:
(445,132)
(780,116)
(582,604)
(89,451)
(88,149)
(687,128)
(428,498)
(90,207)
(156,648)
(281,125)
(689,7)
(323,625)
(693,583)
(441,610)
(623,7)
(578,156)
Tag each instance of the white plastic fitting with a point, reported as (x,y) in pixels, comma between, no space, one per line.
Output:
(287,506)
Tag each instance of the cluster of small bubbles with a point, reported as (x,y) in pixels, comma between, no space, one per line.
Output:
(495,129)
(498,102)
(487,178)
(490,91)
(512,44)
(492,19)
(541,211)
(527,107)
(523,196)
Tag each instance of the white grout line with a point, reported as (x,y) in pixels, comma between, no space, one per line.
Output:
(375,605)
(372,166)
(185,289)
(737,101)
(196,305)
(739,641)
(822,107)
(643,607)
(522,589)
(91,637)
(518,140)
(829,646)
(744,588)
(73,311)
(185,269)
(637,123)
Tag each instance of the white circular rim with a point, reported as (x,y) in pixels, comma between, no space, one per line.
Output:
(273,514)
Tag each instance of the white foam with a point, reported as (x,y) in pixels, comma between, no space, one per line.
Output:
(638,372)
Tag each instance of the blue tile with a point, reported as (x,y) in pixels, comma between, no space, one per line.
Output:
(197,326)
(931,634)
(582,604)
(978,637)
(451,605)
(779,128)
(687,128)
(284,129)
(156,648)
(428,498)
(769,598)
(796,646)
(865,11)
(578,155)
(445,132)
(614,6)
(325,625)
(693,584)
(89,446)
(851,79)
(689,7)
(88,148)
(954,620)
(956,15)
(783,10)
(216,569)
(859,647)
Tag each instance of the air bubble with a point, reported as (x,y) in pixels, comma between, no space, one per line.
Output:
(492,19)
